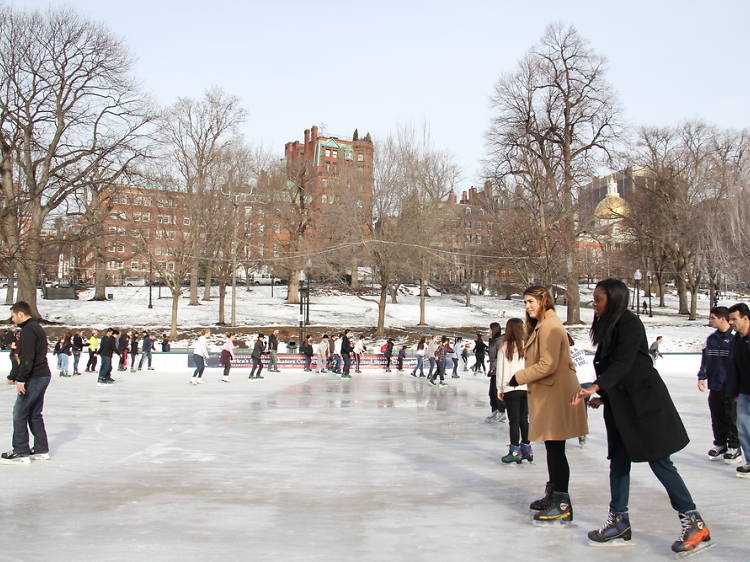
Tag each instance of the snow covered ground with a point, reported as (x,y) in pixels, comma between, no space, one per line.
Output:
(129,308)
(305,467)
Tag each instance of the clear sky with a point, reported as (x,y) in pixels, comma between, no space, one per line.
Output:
(375,65)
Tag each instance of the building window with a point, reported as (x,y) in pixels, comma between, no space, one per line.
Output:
(170,266)
(261,228)
(276,251)
(165,219)
(121,199)
(468,210)
(186,221)
(136,216)
(134,266)
(146,217)
(328,152)
(324,198)
(277,228)
(360,157)
(261,249)
(335,154)
(112,229)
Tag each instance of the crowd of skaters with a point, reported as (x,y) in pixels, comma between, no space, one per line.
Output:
(532,385)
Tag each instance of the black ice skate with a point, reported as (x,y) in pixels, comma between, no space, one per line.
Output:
(695,536)
(559,512)
(616,531)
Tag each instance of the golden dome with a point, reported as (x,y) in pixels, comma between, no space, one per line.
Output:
(612,207)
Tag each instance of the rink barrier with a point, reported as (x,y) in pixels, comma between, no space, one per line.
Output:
(178,360)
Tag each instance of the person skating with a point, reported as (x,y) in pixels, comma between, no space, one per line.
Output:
(432,346)
(257,357)
(738,383)
(509,360)
(200,356)
(123,348)
(66,350)
(441,351)
(642,422)
(653,351)
(273,350)
(226,357)
(134,350)
(400,358)
(388,353)
(336,358)
(479,350)
(551,378)
(421,349)
(147,348)
(307,353)
(323,354)
(57,355)
(107,346)
(453,357)
(166,346)
(76,349)
(346,353)
(716,364)
(31,380)
(497,406)
(359,349)
(93,345)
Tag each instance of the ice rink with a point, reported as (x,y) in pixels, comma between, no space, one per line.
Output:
(307,467)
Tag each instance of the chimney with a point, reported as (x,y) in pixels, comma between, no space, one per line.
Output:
(314,131)
(307,136)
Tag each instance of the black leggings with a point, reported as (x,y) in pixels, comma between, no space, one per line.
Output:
(496,404)
(557,466)
(517,404)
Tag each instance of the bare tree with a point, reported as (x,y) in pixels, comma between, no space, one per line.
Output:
(196,132)
(68,105)
(558,98)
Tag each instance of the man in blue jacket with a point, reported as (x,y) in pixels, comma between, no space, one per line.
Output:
(31,381)
(716,364)
(738,385)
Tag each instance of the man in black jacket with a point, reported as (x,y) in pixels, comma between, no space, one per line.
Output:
(77,347)
(256,355)
(106,348)
(346,353)
(31,381)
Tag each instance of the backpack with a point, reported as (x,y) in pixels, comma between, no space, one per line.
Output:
(384,348)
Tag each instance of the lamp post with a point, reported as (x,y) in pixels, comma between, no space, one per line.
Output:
(301,316)
(637,277)
(648,277)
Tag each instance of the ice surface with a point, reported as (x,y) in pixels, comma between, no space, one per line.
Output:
(306,467)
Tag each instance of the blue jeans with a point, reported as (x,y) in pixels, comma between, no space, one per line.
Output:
(63,363)
(743,424)
(200,365)
(76,359)
(433,361)
(419,365)
(144,356)
(27,414)
(105,368)
(665,471)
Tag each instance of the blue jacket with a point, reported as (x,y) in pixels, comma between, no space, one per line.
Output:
(717,362)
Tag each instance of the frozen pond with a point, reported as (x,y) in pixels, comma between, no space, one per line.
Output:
(306,467)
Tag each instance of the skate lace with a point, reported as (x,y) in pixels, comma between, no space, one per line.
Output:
(610,522)
(685,522)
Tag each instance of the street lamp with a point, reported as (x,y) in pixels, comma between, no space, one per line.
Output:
(648,277)
(301,316)
(637,277)
(150,283)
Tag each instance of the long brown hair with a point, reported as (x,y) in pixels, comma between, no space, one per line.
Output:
(543,296)
(514,338)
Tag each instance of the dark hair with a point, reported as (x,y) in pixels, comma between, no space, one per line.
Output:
(742,308)
(420,345)
(22,307)
(618,297)
(720,312)
(495,329)
(514,337)
(261,336)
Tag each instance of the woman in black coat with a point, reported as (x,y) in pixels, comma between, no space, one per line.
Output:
(642,423)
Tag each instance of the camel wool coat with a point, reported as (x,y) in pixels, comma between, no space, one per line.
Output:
(550,376)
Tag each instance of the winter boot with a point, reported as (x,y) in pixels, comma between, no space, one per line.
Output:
(616,531)
(514,455)
(560,510)
(694,536)
(543,503)
(527,453)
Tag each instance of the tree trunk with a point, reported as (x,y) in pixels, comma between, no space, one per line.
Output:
(100,274)
(175,305)
(682,294)
(207,284)
(292,294)
(222,300)
(380,331)
(468,294)
(693,303)
(10,293)
(194,284)
(394,294)
(422,299)
(355,272)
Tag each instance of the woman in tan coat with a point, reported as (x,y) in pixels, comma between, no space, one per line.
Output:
(551,380)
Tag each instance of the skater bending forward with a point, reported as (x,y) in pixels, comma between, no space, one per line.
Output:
(551,380)
(642,423)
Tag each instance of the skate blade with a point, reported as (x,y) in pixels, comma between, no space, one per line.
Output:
(552,523)
(741,475)
(697,550)
(738,460)
(616,543)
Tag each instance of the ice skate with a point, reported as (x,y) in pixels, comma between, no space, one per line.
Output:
(14,458)
(527,453)
(39,456)
(225,379)
(543,502)
(694,537)
(716,453)
(733,455)
(513,456)
(743,471)
(615,532)
(559,512)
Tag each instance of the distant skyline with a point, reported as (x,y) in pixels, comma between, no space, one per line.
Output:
(343,66)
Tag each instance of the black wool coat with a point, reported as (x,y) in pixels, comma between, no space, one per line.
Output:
(637,404)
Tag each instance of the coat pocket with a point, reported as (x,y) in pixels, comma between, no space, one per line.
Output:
(646,400)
